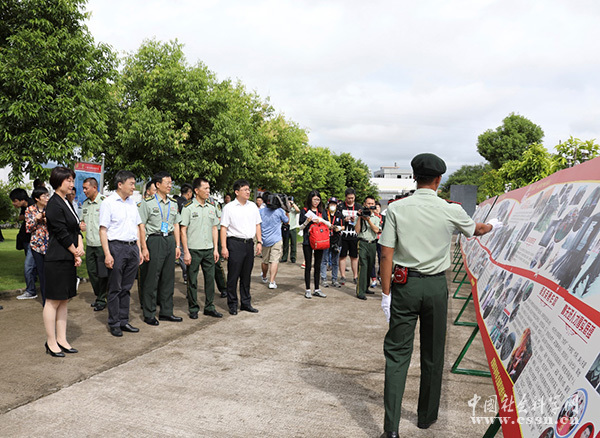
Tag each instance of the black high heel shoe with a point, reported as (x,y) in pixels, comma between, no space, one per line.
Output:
(67,350)
(52,353)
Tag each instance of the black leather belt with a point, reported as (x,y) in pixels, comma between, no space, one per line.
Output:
(239,239)
(131,243)
(367,241)
(419,275)
(161,234)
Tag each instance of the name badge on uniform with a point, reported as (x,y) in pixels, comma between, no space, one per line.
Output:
(164,228)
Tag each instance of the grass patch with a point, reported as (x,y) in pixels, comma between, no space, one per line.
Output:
(12,261)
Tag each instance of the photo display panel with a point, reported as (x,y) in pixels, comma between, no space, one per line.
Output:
(536,289)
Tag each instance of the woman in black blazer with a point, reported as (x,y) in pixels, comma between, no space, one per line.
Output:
(65,249)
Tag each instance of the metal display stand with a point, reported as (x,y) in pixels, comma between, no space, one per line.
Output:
(465,323)
(493,429)
(468,372)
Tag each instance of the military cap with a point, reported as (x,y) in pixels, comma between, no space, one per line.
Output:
(428,165)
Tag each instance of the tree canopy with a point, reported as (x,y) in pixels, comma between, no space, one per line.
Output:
(64,98)
(466,175)
(357,176)
(54,86)
(517,157)
(508,141)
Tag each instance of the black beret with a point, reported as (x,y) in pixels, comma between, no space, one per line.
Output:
(428,165)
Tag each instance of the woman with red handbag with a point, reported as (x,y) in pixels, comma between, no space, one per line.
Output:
(316,239)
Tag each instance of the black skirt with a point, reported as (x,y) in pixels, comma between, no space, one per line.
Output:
(61,279)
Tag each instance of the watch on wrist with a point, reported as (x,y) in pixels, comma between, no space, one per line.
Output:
(259,243)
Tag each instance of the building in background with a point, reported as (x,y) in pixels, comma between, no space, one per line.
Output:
(392,181)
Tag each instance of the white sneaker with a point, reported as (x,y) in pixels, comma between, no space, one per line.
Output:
(318,293)
(273,285)
(265,280)
(27,296)
(307,294)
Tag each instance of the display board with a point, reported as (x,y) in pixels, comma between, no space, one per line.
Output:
(83,171)
(536,289)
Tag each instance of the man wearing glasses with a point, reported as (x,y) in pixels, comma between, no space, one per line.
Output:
(161,219)
(240,224)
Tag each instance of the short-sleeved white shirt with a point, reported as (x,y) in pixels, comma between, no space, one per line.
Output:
(120,218)
(241,220)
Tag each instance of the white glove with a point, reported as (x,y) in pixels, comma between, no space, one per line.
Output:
(495,223)
(386,300)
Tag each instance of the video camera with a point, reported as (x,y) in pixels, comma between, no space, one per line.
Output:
(277,200)
(367,211)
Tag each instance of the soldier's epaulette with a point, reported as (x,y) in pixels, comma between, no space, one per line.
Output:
(170,198)
(190,202)
(139,203)
(102,197)
(148,198)
(452,202)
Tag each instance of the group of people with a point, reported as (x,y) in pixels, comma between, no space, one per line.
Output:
(350,230)
(125,240)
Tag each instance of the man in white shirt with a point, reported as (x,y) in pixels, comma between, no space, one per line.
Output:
(240,223)
(121,233)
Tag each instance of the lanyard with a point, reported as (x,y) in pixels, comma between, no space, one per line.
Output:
(160,209)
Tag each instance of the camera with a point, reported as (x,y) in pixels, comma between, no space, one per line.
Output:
(277,200)
(367,211)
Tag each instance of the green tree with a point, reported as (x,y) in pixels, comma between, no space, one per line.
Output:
(180,118)
(281,144)
(466,175)
(54,86)
(491,184)
(574,151)
(535,164)
(357,175)
(315,168)
(509,141)
(7,212)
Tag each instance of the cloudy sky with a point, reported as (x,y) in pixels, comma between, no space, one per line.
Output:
(385,80)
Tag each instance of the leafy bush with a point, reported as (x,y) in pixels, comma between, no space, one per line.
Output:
(8,213)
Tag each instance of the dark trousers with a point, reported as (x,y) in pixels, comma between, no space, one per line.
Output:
(94,256)
(183,266)
(39,265)
(158,276)
(366,262)
(120,280)
(239,266)
(425,299)
(375,272)
(308,253)
(201,258)
(290,243)
(219,274)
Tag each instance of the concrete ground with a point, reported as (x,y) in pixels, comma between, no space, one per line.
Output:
(298,368)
